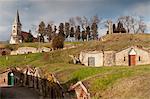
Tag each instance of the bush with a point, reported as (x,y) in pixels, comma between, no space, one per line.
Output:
(58,42)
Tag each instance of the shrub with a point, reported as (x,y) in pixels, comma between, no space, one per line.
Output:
(58,42)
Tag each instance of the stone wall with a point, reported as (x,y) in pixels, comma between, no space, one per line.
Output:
(46,86)
(109,58)
(27,50)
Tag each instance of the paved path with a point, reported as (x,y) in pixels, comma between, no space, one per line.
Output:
(18,93)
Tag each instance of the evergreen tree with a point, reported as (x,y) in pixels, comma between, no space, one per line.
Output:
(94,29)
(72,32)
(88,32)
(61,30)
(84,36)
(49,32)
(29,38)
(67,29)
(42,31)
(77,33)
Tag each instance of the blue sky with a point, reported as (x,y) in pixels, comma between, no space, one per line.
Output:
(33,11)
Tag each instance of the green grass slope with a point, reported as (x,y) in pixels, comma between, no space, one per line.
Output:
(102,82)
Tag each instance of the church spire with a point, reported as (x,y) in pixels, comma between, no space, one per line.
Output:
(17,19)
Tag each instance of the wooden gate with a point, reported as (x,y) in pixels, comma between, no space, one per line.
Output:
(132,60)
(91,61)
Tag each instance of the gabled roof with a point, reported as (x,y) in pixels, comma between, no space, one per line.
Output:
(79,83)
(132,47)
(132,52)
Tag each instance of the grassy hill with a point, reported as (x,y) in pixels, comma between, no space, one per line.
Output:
(103,82)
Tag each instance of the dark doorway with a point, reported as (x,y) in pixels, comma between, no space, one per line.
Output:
(132,60)
(91,61)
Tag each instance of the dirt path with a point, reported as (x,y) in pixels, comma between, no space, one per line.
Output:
(18,93)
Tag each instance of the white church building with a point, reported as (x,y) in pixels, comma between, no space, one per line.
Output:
(16,31)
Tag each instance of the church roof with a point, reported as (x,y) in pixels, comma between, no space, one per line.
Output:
(26,34)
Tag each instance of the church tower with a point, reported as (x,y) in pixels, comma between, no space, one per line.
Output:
(16,31)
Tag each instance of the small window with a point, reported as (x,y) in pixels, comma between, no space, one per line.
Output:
(139,58)
(124,59)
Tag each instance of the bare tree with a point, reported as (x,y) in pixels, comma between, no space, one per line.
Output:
(133,24)
(34,29)
(83,22)
(51,23)
(95,19)
(141,26)
(79,20)
(106,24)
(72,22)
(127,21)
(86,22)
